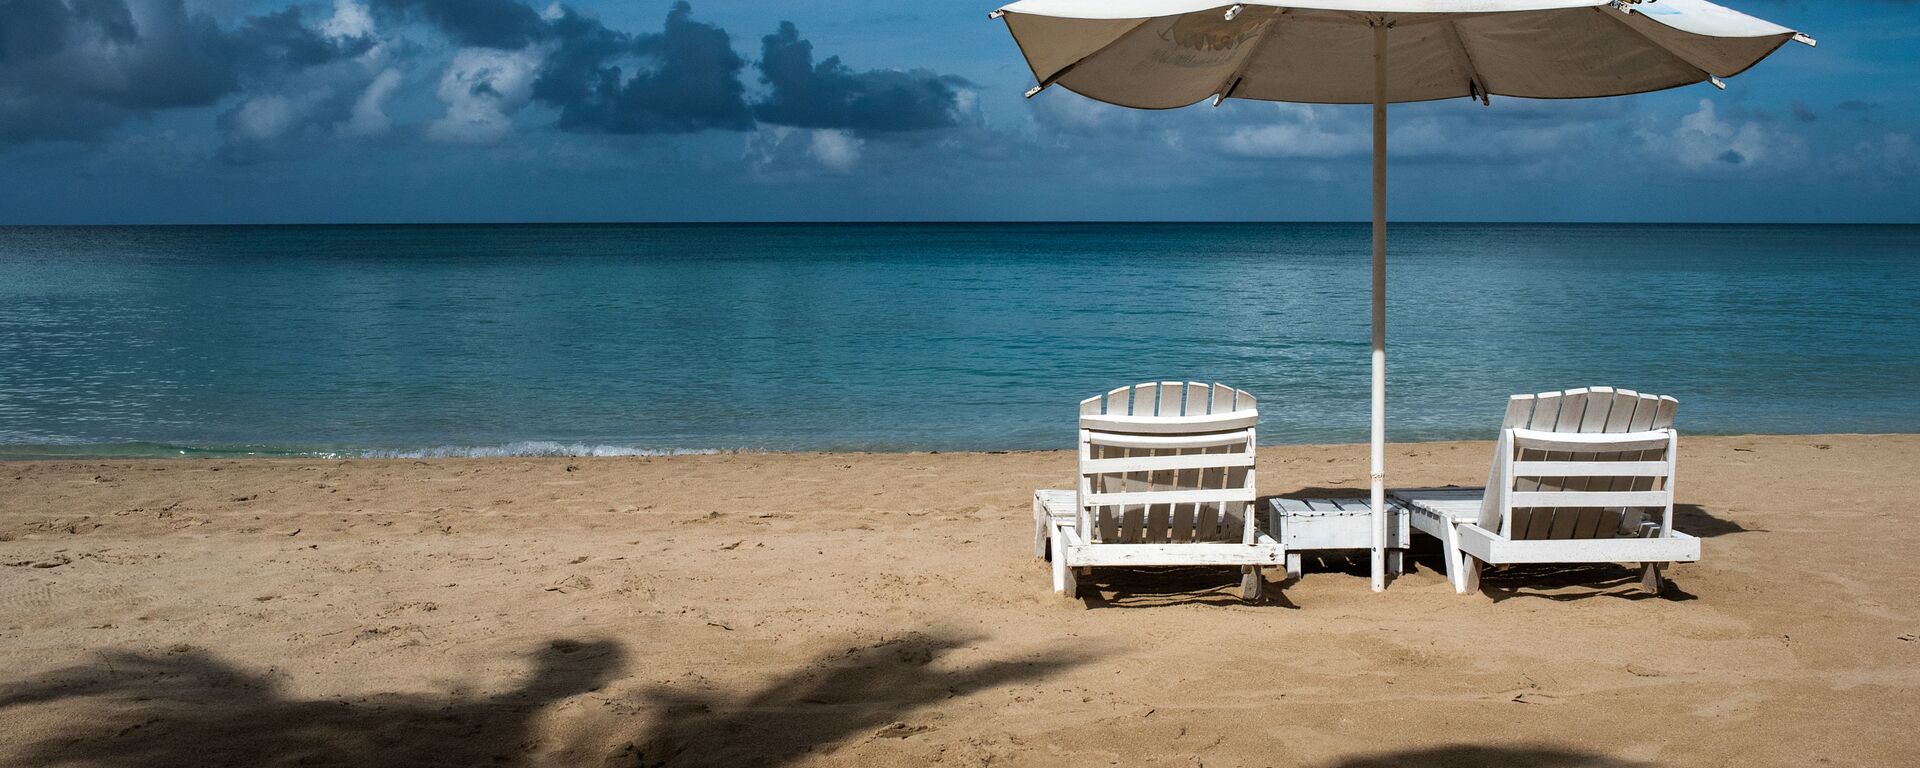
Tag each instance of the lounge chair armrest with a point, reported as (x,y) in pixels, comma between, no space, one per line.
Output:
(1591,442)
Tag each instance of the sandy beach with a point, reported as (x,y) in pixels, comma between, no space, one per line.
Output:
(884,609)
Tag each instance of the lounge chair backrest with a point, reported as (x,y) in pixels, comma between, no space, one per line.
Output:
(1586,463)
(1167,462)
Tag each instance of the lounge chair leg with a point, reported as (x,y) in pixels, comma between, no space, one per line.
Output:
(1250,582)
(1039,528)
(1456,561)
(1294,569)
(1396,563)
(1650,578)
(1060,574)
(1470,576)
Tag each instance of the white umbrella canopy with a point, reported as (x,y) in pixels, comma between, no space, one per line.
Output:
(1163,54)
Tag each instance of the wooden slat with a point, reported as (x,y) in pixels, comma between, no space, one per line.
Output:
(1265,551)
(1576,522)
(1573,406)
(1607,469)
(1108,519)
(1599,405)
(1218,422)
(1589,499)
(1558,443)
(1222,400)
(1133,521)
(1182,461)
(1058,503)
(1573,411)
(1551,410)
(1663,414)
(1132,498)
(1519,408)
(1244,401)
(1659,415)
(1123,532)
(1198,402)
(1494,548)
(1620,411)
(1180,523)
(1090,406)
(1202,440)
(1605,521)
(1452,504)
(1546,412)
(1171,393)
(1206,516)
(1158,516)
(1242,478)
(1519,411)
(1206,523)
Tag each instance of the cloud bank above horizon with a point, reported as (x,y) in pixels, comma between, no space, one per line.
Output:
(468,110)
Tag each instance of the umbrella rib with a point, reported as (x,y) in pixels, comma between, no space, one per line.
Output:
(1619,18)
(1062,72)
(1463,58)
(1232,82)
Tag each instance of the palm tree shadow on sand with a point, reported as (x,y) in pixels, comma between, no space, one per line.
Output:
(190,709)
(1476,756)
(872,689)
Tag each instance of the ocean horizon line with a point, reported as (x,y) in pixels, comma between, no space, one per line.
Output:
(773,223)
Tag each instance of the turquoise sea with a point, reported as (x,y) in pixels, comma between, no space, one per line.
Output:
(484,340)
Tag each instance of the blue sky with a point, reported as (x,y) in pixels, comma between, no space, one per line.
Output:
(212,111)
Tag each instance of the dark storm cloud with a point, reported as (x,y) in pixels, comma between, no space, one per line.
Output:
(484,23)
(684,79)
(831,95)
(282,40)
(73,69)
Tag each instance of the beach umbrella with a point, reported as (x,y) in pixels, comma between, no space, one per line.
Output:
(1162,54)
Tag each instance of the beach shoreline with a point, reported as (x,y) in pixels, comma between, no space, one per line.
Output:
(885,608)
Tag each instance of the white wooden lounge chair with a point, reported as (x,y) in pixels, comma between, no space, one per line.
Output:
(1166,478)
(1581,476)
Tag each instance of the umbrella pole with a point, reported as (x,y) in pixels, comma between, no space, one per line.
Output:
(1378,474)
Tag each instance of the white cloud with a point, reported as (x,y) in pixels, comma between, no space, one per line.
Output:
(1056,111)
(264,118)
(483,88)
(349,20)
(781,153)
(1703,142)
(369,117)
(836,150)
(1300,131)
(1889,156)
